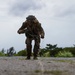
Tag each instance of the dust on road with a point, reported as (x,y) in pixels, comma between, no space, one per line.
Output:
(42,66)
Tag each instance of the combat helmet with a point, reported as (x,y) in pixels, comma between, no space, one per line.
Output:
(31,17)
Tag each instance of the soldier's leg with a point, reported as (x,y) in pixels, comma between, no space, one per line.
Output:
(29,47)
(36,47)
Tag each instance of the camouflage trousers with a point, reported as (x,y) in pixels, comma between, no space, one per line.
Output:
(29,46)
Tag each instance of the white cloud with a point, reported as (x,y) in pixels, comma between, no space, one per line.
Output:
(61,8)
(21,7)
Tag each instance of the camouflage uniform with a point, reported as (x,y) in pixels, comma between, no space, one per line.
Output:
(33,31)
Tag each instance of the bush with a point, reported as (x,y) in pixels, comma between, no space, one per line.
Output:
(47,54)
(55,51)
(70,49)
(22,53)
(64,54)
(2,54)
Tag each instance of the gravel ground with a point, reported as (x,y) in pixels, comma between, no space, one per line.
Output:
(42,66)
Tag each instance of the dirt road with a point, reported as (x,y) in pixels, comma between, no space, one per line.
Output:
(42,66)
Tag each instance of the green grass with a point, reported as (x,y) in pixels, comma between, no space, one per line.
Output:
(68,61)
(38,71)
(22,58)
(53,72)
(48,62)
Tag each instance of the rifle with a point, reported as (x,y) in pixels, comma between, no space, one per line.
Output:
(30,34)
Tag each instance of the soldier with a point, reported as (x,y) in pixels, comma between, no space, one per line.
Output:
(33,31)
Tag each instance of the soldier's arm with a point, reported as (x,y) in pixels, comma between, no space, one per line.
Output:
(42,33)
(22,28)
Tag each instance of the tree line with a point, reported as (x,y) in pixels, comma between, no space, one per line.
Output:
(49,51)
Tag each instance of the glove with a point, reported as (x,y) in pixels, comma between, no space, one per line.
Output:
(20,31)
(42,36)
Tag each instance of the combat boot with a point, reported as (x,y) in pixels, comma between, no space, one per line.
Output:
(28,58)
(35,58)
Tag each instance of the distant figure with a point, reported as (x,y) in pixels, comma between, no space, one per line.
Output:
(33,31)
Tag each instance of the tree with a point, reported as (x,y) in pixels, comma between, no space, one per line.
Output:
(11,51)
(51,47)
(3,51)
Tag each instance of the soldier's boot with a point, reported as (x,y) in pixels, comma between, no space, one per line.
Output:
(29,48)
(36,49)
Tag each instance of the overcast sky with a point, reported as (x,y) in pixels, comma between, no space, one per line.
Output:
(56,16)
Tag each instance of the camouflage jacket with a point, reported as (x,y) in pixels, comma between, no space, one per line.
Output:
(33,28)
